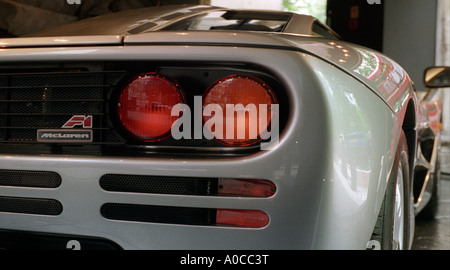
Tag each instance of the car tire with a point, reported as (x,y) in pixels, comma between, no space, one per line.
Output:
(393,229)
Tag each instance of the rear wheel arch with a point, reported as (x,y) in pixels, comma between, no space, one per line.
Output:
(409,127)
(410,130)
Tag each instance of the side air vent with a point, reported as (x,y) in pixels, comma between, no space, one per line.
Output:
(30,179)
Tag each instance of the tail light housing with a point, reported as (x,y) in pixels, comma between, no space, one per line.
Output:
(246,188)
(245,102)
(145,104)
(242,218)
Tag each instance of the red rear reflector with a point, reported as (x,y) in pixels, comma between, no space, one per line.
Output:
(145,106)
(247,117)
(246,188)
(242,218)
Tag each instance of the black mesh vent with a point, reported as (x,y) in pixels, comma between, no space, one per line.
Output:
(46,207)
(55,79)
(29,179)
(159,184)
(159,214)
(33,100)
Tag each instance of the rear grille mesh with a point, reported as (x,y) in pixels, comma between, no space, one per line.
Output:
(192,186)
(47,100)
(33,206)
(159,214)
(31,179)
(159,184)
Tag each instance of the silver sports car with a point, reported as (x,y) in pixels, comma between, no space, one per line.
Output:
(198,127)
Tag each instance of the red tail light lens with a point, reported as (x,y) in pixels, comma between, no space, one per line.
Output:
(242,218)
(145,106)
(246,188)
(247,116)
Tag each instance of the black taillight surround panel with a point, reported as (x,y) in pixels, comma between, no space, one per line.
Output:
(195,79)
(109,78)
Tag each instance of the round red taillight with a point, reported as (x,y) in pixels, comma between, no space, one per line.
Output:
(245,103)
(145,106)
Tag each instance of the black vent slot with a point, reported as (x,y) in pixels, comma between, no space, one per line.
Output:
(159,184)
(29,179)
(32,206)
(159,214)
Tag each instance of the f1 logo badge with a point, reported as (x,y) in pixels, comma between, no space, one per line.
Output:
(79,120)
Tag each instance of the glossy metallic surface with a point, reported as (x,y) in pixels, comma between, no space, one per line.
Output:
(326,187)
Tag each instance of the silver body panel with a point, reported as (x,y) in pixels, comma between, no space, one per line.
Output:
(300,171)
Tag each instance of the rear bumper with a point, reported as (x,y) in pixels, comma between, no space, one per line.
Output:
(81,198)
